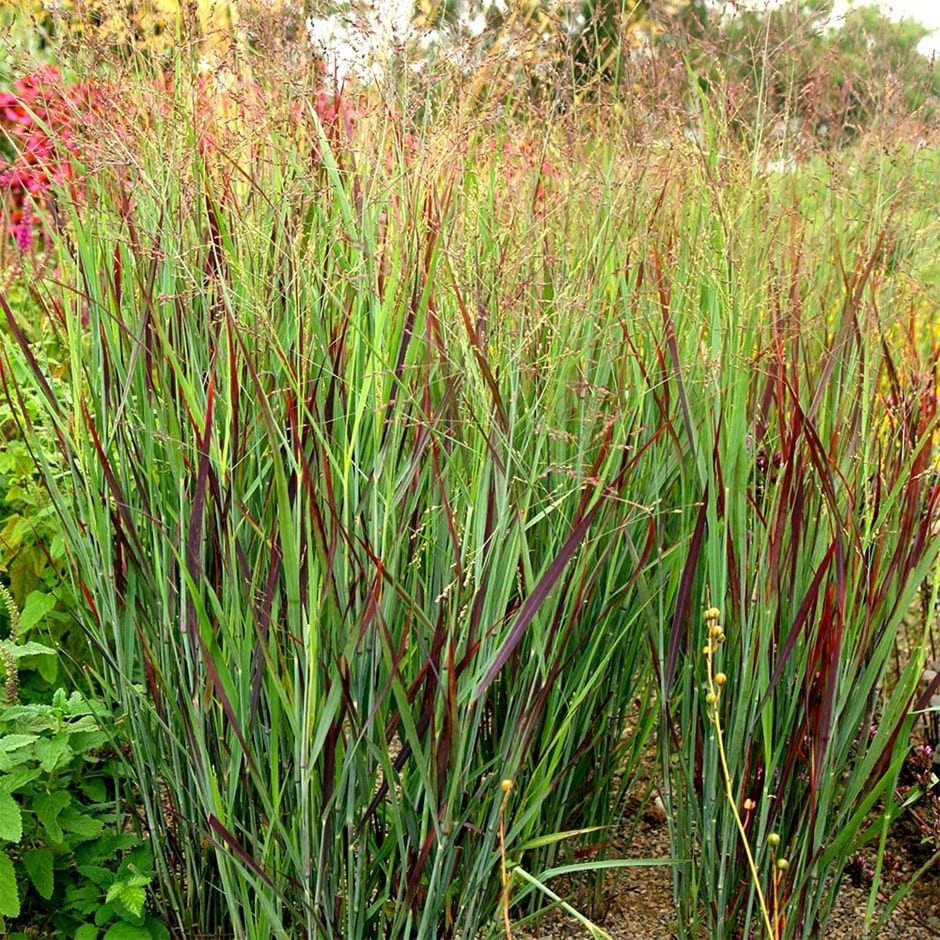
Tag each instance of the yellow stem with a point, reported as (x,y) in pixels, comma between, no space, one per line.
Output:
(729,793)
(502,855)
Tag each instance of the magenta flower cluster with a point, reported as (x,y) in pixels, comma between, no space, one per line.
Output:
(36,118)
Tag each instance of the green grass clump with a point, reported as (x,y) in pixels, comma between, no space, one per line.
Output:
(396,464)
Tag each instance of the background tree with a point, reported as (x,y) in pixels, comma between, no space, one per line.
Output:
(793,69)
(607,33)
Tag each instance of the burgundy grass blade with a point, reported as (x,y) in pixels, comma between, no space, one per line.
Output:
(534,601)
(680,616)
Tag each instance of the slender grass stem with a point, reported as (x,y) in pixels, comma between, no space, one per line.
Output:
(506,786)
(716,682)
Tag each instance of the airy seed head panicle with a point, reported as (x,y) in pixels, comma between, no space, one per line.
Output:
(11,687)
(13,612)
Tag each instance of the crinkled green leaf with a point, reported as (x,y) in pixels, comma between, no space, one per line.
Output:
(83,898)
(13,742)
(94,789)
(111,845)
(11,819)
(53,753)
(48,668)
(97,874)
(125,931)
(88,737)
(87,932)
(37,605)
(80,722)
(39,866)
(48,808)
(130,896)
(104,914)
(140,859)
(9,891)
(80,824)
(18,778)
(19,650)
(136,881)
(14,759)
(157,930)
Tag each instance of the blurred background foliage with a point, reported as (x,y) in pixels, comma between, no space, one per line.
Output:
(152,24)
(792,70)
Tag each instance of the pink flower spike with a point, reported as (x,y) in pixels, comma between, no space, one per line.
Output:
(23,233)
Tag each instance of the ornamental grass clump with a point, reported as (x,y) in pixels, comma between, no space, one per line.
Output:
(816,533)
(356,507)
(398,449)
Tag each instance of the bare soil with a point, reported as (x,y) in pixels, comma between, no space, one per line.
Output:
(638,902)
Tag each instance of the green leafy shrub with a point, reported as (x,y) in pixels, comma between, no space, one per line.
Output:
(66,858)
(32,553)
